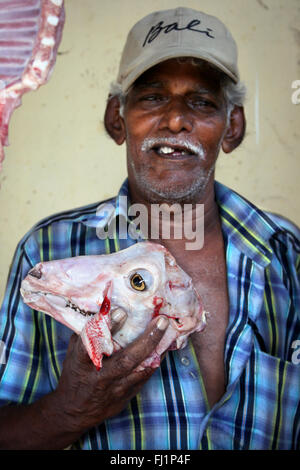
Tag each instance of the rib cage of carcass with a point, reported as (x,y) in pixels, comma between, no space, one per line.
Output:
(30,33)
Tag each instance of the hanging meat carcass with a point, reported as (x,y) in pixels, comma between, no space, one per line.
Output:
(30,33)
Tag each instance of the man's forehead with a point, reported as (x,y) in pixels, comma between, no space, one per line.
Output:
(169,71)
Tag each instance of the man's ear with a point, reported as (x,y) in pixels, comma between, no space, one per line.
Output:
(236,130)
(114,123)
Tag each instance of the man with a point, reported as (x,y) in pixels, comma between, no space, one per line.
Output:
(235,385)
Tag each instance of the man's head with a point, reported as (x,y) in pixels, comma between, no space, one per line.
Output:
(176,102)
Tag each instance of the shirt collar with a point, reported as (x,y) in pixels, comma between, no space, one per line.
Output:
(245,225)
(110,208)
(122,200)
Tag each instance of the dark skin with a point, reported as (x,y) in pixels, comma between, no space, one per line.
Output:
(85,397)
(178,101)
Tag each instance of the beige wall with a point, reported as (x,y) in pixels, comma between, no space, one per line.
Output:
(60,156)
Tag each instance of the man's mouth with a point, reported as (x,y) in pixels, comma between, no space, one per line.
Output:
(173,148)
(172,152)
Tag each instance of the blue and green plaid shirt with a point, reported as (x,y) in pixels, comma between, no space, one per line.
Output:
(261,406)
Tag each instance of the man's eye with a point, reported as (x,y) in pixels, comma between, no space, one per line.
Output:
(152,98)
(201,103)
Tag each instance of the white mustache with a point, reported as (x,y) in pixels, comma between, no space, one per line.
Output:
(185,144)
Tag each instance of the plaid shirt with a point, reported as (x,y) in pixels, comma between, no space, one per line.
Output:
(261,406)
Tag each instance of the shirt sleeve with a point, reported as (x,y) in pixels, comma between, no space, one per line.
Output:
(22,375)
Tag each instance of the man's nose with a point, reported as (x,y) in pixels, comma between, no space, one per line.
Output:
(176,116)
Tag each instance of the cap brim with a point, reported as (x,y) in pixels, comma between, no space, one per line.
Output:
(139,69)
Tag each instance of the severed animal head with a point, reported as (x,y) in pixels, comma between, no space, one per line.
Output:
(143,280)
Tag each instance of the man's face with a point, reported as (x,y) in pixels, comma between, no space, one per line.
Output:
(175,121)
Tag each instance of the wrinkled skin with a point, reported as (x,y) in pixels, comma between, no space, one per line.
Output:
(111,388)
(84,292)
(84,396)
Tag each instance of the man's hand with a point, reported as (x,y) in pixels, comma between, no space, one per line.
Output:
(84,397)
(87,396)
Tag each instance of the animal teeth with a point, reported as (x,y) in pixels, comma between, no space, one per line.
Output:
(78,310)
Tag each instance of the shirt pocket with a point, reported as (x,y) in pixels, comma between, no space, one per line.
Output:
(276,403)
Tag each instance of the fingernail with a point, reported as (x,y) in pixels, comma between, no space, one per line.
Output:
(118,314)
(162,323)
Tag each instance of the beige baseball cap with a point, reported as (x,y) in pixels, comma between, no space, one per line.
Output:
(179,32)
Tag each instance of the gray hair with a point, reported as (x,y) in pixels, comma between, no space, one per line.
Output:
(234,93)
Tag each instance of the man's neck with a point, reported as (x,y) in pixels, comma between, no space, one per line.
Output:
(201,216)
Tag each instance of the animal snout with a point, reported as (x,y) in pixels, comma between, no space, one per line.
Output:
(35,273)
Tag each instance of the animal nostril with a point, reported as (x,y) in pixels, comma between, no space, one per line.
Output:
(35,273)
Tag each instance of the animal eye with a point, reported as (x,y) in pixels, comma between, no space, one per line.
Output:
(141,279)
(137,282)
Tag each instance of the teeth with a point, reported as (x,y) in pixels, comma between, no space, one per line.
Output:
(166,150)
(77,309)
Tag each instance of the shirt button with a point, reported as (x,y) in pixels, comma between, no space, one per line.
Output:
(185,361)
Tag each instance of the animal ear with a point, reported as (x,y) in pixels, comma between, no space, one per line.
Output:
(114,123)
(170,261)
(235,131)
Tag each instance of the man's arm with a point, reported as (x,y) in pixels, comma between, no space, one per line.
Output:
(84,397)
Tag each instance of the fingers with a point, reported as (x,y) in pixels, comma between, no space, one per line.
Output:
(128,359)
(118,318)
(77,350)
(130,385)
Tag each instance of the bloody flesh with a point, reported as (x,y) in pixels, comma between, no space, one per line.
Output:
(105,306)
